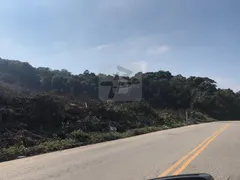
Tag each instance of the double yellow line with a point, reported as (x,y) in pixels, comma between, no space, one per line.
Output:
(191,155)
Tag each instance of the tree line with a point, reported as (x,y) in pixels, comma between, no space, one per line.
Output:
(160,89)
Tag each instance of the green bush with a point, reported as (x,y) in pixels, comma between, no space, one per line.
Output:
(54,145)
(112,136)
(12,152)
(80,136)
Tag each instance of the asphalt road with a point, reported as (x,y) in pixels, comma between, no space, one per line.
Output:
(205,148)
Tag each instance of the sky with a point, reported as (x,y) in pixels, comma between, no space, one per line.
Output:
(188,37)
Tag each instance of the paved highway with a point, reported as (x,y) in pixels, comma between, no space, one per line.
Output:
(210,148)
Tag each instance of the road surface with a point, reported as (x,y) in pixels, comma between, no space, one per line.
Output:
(207,148)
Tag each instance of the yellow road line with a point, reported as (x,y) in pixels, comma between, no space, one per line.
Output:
(178,171)
(175,165)
(167,171)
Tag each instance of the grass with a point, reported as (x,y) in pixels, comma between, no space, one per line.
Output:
(75,139)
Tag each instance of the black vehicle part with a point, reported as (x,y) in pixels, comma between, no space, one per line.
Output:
(201,176)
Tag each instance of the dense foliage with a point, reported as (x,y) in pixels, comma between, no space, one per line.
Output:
(43,110)
(160,89)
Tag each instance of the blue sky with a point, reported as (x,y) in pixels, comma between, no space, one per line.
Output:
(186,37)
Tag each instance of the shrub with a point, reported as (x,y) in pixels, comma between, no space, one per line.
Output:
(80,136)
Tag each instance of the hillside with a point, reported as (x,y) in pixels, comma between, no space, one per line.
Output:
(43,110)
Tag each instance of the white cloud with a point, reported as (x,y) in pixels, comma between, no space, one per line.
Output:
(103,46)
(140,66)
(136,46)
(158,50)
(129,53)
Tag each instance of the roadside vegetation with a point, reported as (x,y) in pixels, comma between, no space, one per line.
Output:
(44,110)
